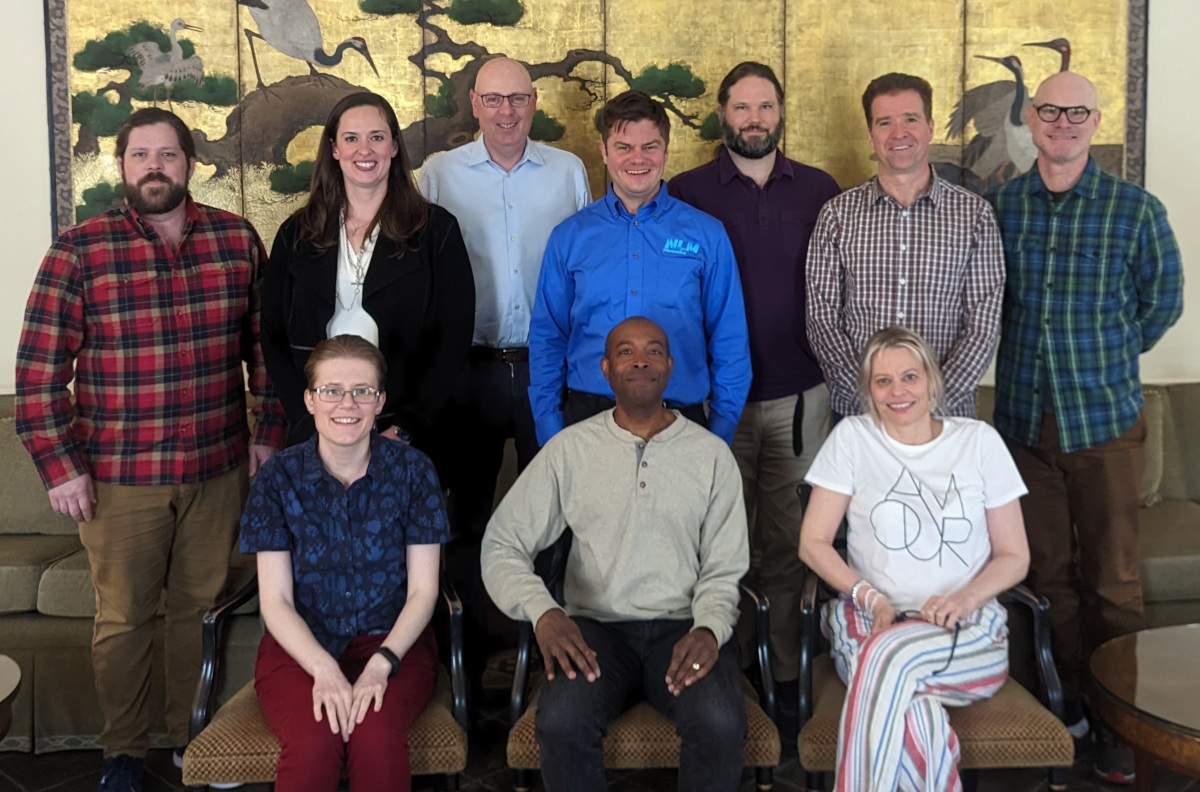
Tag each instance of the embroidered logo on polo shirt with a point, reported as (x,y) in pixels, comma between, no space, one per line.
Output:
(680,247)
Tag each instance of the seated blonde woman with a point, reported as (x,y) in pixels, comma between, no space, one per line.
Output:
(935,533)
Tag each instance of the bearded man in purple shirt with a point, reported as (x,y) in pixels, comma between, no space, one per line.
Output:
(769,205)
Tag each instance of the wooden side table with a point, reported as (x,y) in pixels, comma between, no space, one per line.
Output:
(1148,693)
(10,683)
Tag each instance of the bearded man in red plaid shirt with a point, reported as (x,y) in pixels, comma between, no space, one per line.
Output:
(152,309)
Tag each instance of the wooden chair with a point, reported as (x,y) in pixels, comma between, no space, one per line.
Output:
(1010,729)
(642,737)
(237,746)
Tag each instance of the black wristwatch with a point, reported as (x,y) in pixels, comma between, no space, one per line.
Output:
(390,656)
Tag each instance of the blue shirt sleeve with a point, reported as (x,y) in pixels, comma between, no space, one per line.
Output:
(549,331)
(426,521)
(728,340)
(1159,275)
(264,527)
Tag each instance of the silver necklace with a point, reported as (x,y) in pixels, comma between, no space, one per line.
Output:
(357,265)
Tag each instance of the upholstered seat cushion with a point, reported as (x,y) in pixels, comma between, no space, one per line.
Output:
(642,737)
(1169,546)
(24,507)
(1011,729)
(66,589)
(23,559)
(238,746)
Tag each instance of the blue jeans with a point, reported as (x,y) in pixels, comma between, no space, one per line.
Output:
(710,716)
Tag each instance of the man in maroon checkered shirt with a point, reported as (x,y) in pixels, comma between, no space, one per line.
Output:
(152,310)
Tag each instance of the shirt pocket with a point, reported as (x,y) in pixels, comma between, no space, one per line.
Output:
(123,309)
(219,291)
(679,279)
(1086,275)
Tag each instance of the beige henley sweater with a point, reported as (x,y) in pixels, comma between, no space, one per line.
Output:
(660,538)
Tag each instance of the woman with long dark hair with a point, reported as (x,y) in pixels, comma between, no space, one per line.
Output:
(369,256)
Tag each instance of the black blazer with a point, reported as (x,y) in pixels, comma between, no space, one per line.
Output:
(423,302)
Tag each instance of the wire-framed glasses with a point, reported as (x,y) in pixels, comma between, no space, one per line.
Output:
(1050,113)
(516,101)
(329,393)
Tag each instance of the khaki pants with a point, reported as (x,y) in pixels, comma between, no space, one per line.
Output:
(140,541)
(771,477)
(1081,517)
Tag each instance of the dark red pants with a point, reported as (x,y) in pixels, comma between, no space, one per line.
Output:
(1081,517)
(310,756)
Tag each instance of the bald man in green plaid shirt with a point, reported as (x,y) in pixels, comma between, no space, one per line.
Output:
(1094,280)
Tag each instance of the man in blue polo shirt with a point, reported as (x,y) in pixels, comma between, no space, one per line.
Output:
(638,252)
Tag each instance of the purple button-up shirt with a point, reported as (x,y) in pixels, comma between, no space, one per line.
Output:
(769,228)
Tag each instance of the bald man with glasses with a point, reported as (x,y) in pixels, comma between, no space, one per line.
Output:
(1094,280)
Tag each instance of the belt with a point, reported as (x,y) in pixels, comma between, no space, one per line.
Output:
(509,355)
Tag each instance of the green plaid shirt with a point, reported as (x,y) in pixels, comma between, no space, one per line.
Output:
(1094,280)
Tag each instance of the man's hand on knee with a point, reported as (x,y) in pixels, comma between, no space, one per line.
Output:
(693,657)
(561,642)
(74,499)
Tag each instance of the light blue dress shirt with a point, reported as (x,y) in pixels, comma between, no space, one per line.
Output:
(505,218)
(670,263)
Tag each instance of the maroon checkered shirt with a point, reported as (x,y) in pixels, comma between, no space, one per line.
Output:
(155,340)
(935,267)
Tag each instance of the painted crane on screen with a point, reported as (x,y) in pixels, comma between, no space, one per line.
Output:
(1059,45)
(291,27)
(1002,145)
(167,68)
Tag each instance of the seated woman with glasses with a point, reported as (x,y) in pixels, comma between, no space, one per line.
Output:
(368,255)
(934,534)
(347,528)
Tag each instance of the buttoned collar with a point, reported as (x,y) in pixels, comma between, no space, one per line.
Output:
(727,169)
(933,192)
(192,215)
(1088,185)
(477,154)
(313,469)
(652,208)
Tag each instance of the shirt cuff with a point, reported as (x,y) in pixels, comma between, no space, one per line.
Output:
(722,631)
(722,427)
(539,607)
(549,425)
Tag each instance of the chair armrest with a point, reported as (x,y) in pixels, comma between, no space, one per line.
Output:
(520,685)
(458,674)
(762,632)
(1052,694)
(808,632)
(211,647)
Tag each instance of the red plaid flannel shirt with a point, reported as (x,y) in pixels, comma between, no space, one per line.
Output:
(155,341)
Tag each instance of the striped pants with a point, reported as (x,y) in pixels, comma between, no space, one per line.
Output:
(894,733)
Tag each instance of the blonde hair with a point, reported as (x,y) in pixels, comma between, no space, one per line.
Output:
(896,337)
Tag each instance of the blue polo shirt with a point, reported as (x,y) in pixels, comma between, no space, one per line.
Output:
(348,545)
(670,263)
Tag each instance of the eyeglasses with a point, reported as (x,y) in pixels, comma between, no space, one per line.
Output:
(912,614)
(330,394)
(515,101)
(1050,113)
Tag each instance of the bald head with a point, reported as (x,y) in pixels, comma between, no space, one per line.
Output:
(1067,89)
(635,327)
(504,126)
(503,76)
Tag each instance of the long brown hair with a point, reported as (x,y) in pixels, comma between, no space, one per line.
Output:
(404,211)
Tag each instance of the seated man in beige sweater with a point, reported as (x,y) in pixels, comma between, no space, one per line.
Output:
(655,505)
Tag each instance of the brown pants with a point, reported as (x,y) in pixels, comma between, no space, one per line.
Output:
(140,541)
(1081,517)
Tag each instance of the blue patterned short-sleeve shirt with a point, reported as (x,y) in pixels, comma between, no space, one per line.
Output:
(348,546)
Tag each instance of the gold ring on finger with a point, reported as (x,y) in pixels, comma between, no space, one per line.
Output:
(695,666)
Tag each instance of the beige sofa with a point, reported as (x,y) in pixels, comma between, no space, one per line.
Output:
(47,599)
(46,607)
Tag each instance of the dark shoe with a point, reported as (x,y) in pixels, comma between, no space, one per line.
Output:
(1074,719)
(1114,759)
(122,773)
(787,710)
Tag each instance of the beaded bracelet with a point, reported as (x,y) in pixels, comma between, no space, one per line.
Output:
(854,592)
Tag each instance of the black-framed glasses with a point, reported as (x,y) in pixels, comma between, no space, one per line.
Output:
(1050,113)
(328,393)
(912,614)
(515,101)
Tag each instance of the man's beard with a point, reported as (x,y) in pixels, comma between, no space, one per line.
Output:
(751,149)
(159,202)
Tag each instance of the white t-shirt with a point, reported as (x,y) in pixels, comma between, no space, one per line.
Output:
(917,517)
